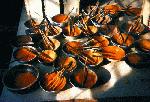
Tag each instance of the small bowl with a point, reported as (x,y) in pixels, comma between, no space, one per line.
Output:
(93,42)
(126,44)
(21,58)
(54,36)
(9,79)
(41,83)
(138,59)
(56,19)
(137,46)
(103,76)
(89,64)
(67,53)
(46,61)
(55,42)
(94,22)
(125,27)
(65,62)
(22,40)
(72,37)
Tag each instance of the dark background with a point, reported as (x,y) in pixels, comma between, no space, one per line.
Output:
(10,11)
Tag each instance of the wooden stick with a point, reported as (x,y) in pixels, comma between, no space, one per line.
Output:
(43,8)
(85,73)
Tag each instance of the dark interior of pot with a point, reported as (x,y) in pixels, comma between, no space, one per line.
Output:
(9,79)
